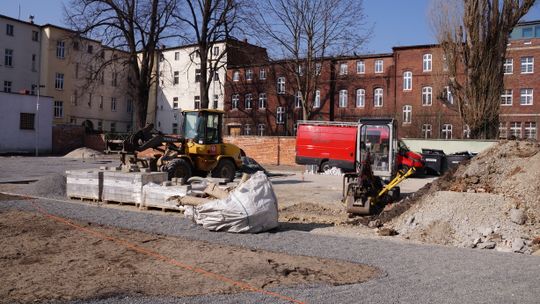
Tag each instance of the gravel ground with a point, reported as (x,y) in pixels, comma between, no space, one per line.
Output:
(413,273)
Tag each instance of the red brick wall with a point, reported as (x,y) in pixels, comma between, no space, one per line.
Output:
(66,138)
(267,150)
(95,141)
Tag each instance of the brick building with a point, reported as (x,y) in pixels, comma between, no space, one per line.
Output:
(409,84)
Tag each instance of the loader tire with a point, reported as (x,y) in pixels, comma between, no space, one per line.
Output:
(179,167)
(225,169)
(325,166)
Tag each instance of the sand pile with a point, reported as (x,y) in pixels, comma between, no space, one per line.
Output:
(51,186)
(83,153)
(493,201)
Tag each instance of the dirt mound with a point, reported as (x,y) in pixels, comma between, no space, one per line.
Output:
(83,153)
(493,199)
(312,213)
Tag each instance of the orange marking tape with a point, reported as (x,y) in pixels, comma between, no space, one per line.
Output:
(163,258)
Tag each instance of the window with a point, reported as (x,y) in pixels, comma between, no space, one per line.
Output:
(58,109)
(7,86)
(247,129)
(90,49)
(447,94)
(527,32)
(113,127)
(176,56)
(262,101)
(176,78)
(527,65)
(446,131)
(515,130)
(216,100)
(317,100)
(426,62)
(300,70)
(249,74)
(318,67)
(197,75)
(530,130)
(215,76)
(175,128)
(427,96)
(114,81)
(343,98)
(343,68)
(60,49)
(407,81)
(248,102)
(101,102)
(260,129)
(466,131)
(129,105)
(281,85)
(113,104)
(35,36)
(503,131)
(9,29)
(508,65)
(8,58)
(236,76)
(90,100)
(280,115)
(360,98)
(444,63)
(426,131)
(216,51)
(59,81)
(262,74)
(526,97)
(234,101)
(298,100)
(378,97)
(407,114)
(175,103)
(506,98)
(360,67)
(379,66)
(197,102)
(26,121)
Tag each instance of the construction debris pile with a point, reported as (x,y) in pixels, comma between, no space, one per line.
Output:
(491,202)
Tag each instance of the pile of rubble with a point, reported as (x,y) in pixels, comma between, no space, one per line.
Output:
(491,202)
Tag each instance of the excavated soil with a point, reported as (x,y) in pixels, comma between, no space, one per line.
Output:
(472,206)
(42,259)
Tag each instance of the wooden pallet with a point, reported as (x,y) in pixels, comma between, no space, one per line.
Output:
(84,199)
(121,203)
(163,209)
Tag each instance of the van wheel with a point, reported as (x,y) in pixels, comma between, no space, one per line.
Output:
(325,166)
(179,167)
(225,169)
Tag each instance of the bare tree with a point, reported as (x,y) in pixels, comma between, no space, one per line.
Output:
(474,36)
(207,23)
(305,32)
(136,27)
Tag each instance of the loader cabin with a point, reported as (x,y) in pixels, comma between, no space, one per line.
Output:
(203,126)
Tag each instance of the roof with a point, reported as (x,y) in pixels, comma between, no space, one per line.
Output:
(17,20)
(228,40)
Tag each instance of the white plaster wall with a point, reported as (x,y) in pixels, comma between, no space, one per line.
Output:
(186,89)
(12,138)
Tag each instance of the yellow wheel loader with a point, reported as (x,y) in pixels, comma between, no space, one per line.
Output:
(199,150)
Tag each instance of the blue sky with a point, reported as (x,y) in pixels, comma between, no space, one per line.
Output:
(396,22)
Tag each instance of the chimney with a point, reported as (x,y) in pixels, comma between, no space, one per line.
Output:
(245,40)
(31,19)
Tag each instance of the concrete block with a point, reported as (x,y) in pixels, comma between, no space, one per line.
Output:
(126,187)
(85,184)
(156,196)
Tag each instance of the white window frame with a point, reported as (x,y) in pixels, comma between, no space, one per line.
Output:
(261,129)
(449,97)
(343,68)
(10,29)
(196,102)
(298,100)
(527,65)
(378,97)
(507,97)
(407,114)
(58,109)
(176,77)
(8,86)
(530,130)
(281,85)
(446,131)
(317,99)
(280,115)
(515,129)
(262,73)
(526,96)
(236,76)
(235,100)
(503,130)
(407,81)
(59,81)
(427,96)
(360,67)
(247,129)
(249,75)
(248,101)
(175,103)
(508,66)
(8,57)
(176,56)
(360,98)
(379,66)
(343,98)
(60,49)
(427,129)
(427,62)
(466,131)
(113,104)
(263,101)
(318,68)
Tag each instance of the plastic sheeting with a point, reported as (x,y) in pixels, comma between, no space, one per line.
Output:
(250,208)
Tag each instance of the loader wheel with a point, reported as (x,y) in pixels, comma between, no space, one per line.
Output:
(225,169)
(178,168)
(325,166)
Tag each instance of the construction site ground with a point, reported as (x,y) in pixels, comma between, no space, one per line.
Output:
(58,250)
